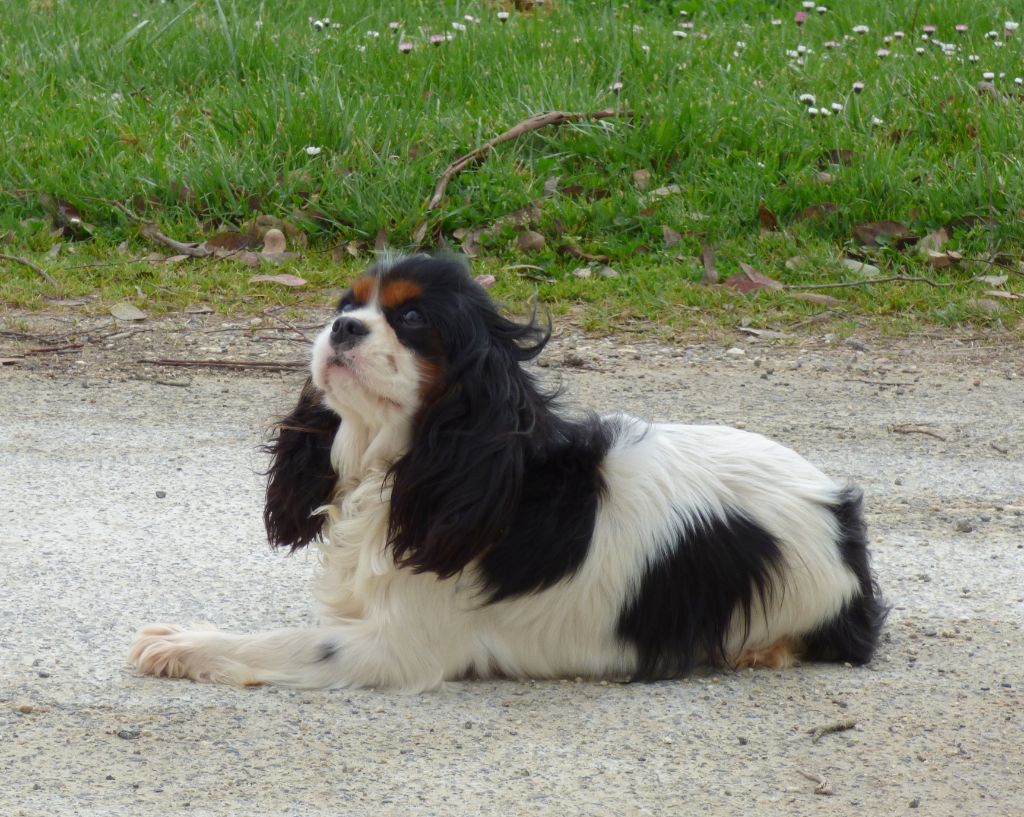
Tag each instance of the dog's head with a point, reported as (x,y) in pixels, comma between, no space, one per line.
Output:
(417,349)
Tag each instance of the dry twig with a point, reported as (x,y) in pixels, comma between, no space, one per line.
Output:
(151,232)
(70,347)
(868,281)
(915,430)
(880,382)
(824,784)
(533,123)
(818,732)
(34,267)
(270,365)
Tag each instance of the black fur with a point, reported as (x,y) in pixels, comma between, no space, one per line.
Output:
(852,635)
(681,614)
(461,490)
(300,478)
(549,532)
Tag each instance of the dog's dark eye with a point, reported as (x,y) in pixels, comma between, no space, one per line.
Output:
(413,317)
(347,307)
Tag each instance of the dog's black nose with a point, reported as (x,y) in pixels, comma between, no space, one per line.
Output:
(347,332)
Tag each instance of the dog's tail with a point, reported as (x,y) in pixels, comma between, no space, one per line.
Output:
(853,634)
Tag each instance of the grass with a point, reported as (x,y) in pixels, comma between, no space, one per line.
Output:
(200,115)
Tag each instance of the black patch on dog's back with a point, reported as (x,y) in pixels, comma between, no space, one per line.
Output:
(683,611)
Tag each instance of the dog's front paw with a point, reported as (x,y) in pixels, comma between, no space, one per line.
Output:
(170,651)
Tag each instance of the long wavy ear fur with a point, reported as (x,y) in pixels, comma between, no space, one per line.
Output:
(300,478)
(457,489)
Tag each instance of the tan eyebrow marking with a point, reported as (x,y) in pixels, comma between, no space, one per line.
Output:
(362,289)
(398,292)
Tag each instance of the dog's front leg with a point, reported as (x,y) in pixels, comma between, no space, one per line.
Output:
(358,654)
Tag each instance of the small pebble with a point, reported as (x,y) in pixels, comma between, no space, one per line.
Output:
(128,734)
(964,526)
(161,494)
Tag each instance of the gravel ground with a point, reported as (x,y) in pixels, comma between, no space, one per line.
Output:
(125,500)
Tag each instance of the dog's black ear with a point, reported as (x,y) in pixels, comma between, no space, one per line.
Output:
(456,491)
(300,478)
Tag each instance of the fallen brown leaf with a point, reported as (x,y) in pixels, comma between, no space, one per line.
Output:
(992,280)
(1002,293)
(750,280)
(575,252)
(529,241)
(860,267)
(247,257)
(670,236)
(66,218)
(127,312)
(941,260)
(707,259)
(884,234)
(231,241)
(934,241)
(285,279)
(842,156)
(274,242)
(766,218)
(816,211)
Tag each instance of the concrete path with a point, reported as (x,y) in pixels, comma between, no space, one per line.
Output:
(125,501)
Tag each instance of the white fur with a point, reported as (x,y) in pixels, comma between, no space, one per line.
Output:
(385,626)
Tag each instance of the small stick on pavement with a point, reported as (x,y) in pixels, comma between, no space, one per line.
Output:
(272,365)
(824,784)
(42,350)
(916,430)
(34,267)
(879,382)
(818,732)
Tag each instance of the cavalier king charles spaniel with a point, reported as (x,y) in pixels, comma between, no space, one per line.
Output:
(469,528)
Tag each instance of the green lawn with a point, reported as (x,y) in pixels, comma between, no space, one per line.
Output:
(201,115)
